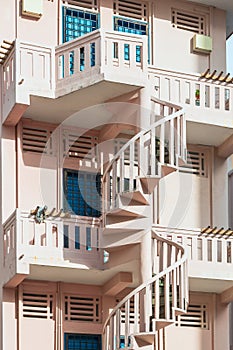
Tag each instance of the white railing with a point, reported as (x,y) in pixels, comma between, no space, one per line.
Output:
(210,255)
(48,72)
(74,239)
(142,156)
(191,91)
(100,53)
(157,300)
(27,70)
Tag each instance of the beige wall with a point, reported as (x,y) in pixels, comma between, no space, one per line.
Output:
(170,42)
(216,336)
(220,192)
(8,171)
(184,201)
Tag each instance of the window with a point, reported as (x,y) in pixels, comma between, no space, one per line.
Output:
(130,26)
(82,193)
(82,342)
(77,22)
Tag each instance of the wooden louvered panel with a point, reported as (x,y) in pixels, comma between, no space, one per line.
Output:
(36,140)
(193,22)
(38,305)
(196,316)
(131,312)
(76,146)
(82,309)
(87,4)
(119,144)
(197,162)
(131,9)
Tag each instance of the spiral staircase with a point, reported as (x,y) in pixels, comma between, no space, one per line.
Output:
(129,184)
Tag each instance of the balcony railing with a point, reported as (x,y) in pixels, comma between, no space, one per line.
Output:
(44,71)
(56,242)
(209,256)
(214,98)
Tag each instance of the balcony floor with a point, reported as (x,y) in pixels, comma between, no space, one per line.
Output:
(83,276)
(59,109)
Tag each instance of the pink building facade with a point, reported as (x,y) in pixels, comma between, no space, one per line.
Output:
(116,175)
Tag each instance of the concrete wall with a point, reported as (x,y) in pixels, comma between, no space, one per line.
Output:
(8,161)
(176,43)
(215,336)
(184,201)
(220,192)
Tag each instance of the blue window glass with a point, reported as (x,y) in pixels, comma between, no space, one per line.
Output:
(82,193)
(133,27)
(66,236)
(77,237)
(130,26)
(88,239)
(75,24)
(82,342)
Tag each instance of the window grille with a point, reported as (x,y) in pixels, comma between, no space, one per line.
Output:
(131,9)
(37,305)
(196,316)
(197,162)
(191,21)
(82,193)
(82,308)
(76,23)
(86,4)
(82,341)
(36,139)
(129,26)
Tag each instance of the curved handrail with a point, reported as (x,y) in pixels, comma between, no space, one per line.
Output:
(178,263)
(141,133)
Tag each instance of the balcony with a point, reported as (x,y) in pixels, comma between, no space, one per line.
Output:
(37,249)
(210,257)
(206,101)
(108,64)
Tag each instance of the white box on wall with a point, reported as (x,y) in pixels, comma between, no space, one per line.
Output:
(202,43)
(32,8)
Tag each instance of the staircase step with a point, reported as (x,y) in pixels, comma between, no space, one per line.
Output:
(124,212)
(149,183)
(167,169)
(119,231)
(181,161)
(178,311)
(133,198)
(144,339)
(162,323)
(138,223)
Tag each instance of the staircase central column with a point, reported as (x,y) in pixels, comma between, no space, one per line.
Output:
(146,259)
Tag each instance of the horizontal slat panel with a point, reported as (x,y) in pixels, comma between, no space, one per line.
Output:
(131,9)
(79,308)
(37,305)
(193,22)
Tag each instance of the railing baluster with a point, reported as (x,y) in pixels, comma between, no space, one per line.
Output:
(162,143)
(131,166)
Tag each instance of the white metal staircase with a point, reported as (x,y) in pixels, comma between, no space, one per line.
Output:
(135,321)
(128,185)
